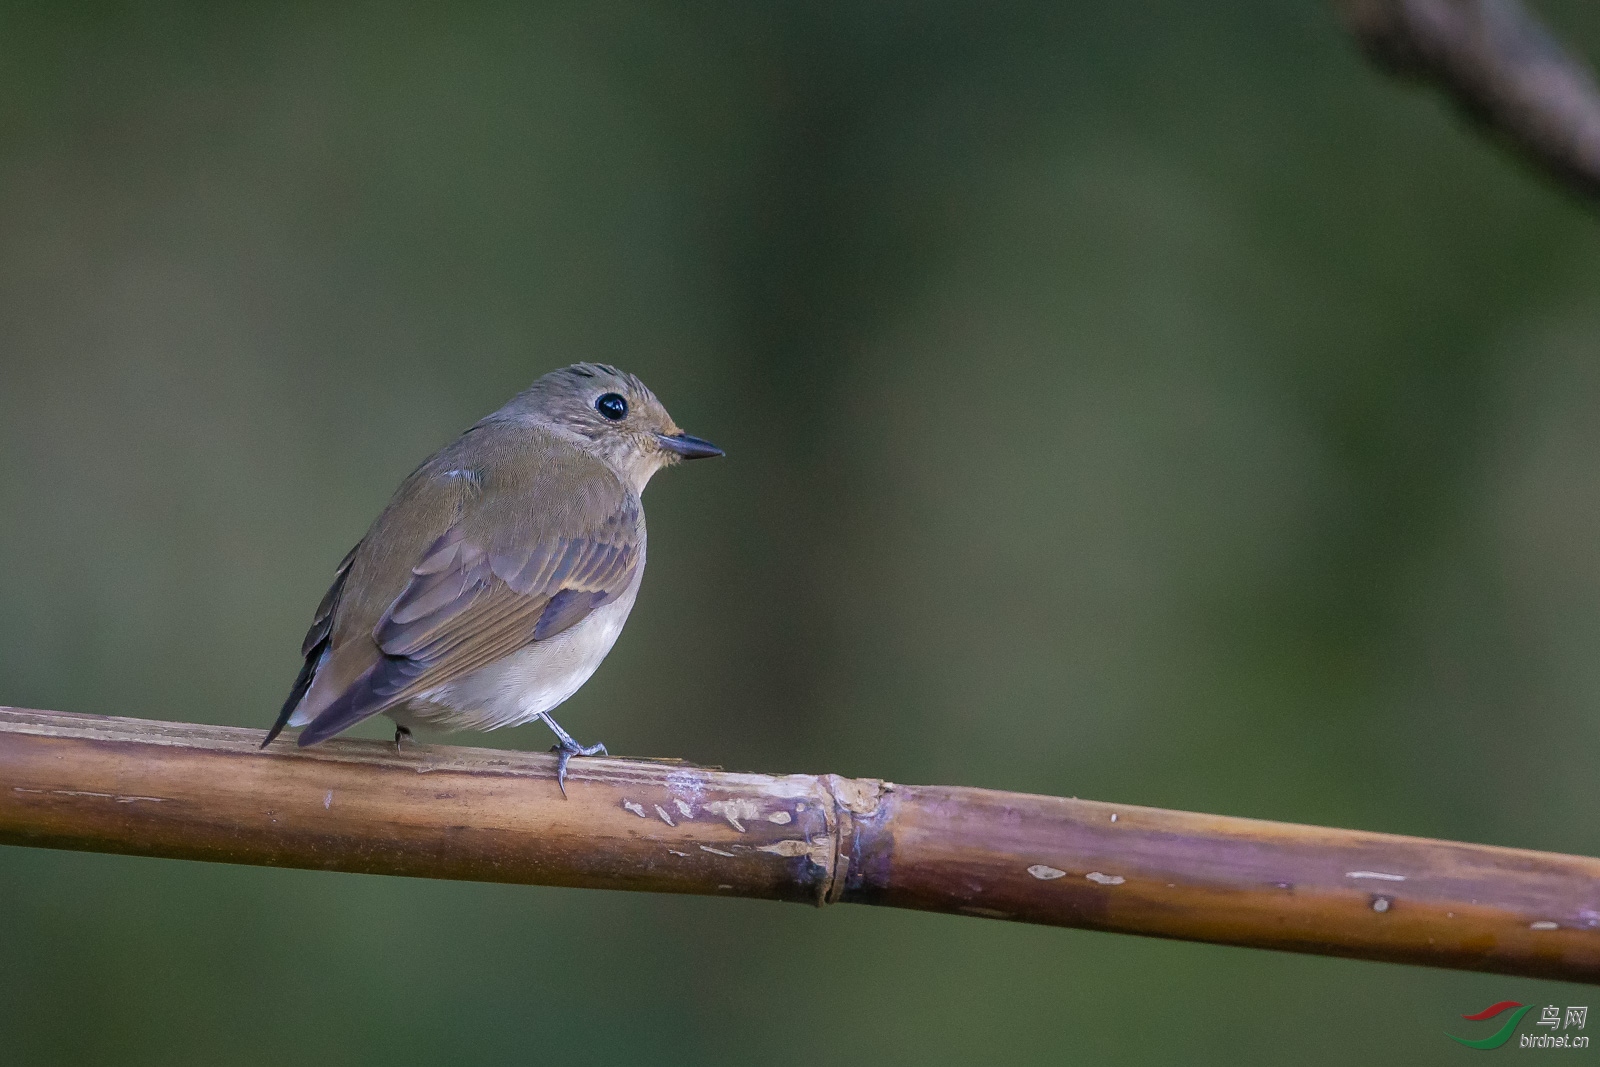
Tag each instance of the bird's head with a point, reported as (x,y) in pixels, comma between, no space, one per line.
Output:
(611,414)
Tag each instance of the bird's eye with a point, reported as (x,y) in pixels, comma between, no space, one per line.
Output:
(612,406)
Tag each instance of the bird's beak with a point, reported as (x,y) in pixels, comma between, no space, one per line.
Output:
(687,446)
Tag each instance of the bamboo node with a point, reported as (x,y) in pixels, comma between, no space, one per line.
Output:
(851,797)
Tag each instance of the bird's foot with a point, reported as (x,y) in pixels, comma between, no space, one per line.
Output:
(565,752)
(400,732)
(566,748)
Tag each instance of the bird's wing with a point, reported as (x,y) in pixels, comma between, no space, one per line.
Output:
(528,554)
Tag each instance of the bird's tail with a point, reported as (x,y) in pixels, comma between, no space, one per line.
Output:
(302,682)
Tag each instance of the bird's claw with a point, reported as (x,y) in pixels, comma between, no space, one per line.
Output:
(564,753)
(566,748)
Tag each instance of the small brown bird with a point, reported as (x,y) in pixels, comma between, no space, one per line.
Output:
(500,573)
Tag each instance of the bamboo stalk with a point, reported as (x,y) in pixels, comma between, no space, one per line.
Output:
(205,792)
(1501,66)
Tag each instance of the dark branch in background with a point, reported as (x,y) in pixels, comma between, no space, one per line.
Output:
(1499,63)
(207,793)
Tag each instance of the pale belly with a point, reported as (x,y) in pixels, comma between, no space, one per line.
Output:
(513,690)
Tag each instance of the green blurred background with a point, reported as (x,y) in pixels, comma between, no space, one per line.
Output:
(1140,402)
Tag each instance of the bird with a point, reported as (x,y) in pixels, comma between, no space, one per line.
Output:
(501,572)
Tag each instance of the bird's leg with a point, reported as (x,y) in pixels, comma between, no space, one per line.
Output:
(567,748)
(399,732)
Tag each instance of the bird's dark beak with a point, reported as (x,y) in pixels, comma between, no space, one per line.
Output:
(687,446)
